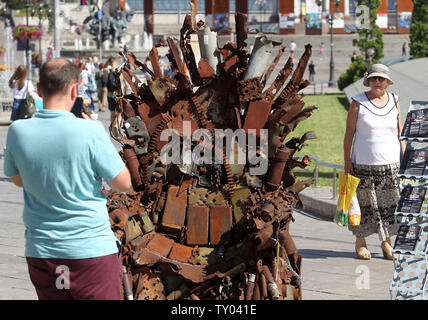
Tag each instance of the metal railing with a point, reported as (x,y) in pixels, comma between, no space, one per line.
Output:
(318,163)
(319,87)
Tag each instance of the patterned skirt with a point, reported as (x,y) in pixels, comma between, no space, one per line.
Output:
(378,195)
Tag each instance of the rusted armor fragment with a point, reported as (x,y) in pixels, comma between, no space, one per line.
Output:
(161,244)
(273,65)
(205,70)
(174,213)
(180,252)
(257,115)
(154,59)
(220,224)
(197,225)
(277,166)
(193,273)
(119,217)
(161,90)
(133,165)
(250,90)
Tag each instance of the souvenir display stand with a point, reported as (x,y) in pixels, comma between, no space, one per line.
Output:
(411,266)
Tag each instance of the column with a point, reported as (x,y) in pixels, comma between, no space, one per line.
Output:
(148,24)
(287,17)
(382,16)
(404,11)
(220,15)
(339,21)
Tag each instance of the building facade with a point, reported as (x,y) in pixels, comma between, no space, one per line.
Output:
(286,16)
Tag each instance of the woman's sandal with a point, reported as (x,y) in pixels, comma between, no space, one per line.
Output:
(363,253)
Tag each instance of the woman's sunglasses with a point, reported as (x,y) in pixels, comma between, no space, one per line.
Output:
(380,79)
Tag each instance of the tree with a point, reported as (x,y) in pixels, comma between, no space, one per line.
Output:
(370,43)
(16,4)
(419,29)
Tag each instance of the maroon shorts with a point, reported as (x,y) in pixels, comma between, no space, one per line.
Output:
(77,279)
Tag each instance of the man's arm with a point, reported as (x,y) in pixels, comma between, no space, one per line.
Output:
(17,181)
(122,182)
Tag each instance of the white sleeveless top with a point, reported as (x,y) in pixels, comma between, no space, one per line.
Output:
(376,141)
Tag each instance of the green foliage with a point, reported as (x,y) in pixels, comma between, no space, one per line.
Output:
(16,4)
(329,124)
(355,72)
(419,29)
(370,45)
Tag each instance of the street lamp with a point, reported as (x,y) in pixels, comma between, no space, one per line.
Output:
(332,81)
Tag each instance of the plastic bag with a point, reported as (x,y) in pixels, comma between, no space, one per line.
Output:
(354,212)
(347,187)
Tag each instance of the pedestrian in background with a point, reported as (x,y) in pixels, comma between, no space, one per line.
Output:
(112,84)
(59,161)
(83,88)
(404,49)
(374,126)
(101,77)
(90,67)
(292,46)
(293,61)
(312,72)
(21,86)
(322,49)
(354,56)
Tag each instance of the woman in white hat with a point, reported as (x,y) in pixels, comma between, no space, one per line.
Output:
(373,125)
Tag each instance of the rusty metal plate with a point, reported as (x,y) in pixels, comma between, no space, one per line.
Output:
(257,115)
(161,244)
(149,285)
(250,90)
(161,89)
(132,230)
(194,273)
(150,115)
(174,214)
(205,70)
(154,59)
(206,197)
(180,252)
(240,200)
(119,217)
(220,224)
(182,111)
(197,225)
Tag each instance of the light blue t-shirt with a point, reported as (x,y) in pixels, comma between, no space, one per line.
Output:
(62,160)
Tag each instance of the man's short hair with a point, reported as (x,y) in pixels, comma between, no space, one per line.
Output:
(56,76)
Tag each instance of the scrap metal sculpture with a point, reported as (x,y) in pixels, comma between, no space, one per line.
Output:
(210,231)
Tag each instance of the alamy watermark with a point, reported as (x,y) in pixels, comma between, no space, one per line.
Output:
(363,280)
(242,144)
(63,280)
(362,13)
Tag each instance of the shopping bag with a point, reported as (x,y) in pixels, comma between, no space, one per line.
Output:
(341,218)
(354,212)
(347,196)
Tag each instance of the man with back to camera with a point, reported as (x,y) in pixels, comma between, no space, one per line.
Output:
(60,168)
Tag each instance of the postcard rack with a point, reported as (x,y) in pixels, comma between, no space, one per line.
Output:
(411,215)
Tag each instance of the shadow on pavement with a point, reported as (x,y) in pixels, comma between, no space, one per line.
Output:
(323,254)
